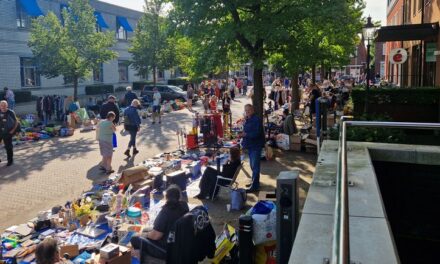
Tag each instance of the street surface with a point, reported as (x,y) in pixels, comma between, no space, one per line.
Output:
(50,172)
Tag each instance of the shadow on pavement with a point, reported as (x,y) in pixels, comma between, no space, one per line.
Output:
(26,161)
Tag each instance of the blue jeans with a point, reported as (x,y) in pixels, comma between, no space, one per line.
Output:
(11,104)
(254,160)
(132,142)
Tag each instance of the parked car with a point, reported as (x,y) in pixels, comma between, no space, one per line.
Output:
(168,92)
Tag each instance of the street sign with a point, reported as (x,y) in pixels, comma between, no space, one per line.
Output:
(398,56)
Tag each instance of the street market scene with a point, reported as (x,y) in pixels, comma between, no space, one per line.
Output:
(280,131)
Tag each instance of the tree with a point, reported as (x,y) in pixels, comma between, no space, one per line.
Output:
(320,38)
(151,46)
(72,49)
(249,29)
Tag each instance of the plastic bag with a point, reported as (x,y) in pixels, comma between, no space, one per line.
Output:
(264,227)
(283,141)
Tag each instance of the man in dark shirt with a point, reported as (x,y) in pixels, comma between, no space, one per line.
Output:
(129,96)
(8,127)
(253,141)
(110,106)
(156,240)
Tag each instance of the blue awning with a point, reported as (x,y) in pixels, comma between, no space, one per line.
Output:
(31,7)
(100,20)
(124,23)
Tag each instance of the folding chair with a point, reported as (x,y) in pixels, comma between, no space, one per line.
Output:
(231,181)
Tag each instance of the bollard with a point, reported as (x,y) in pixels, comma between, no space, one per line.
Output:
(287,213)
(246,248)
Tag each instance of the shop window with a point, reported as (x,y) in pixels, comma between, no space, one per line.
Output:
(98,74)
(123,71)
(121,32)
(29,73)
(23,19)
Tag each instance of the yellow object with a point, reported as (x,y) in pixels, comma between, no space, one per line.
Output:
(224,243)
(266,253)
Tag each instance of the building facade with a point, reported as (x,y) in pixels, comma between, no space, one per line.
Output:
(395,14)
(17,67)
(414,26)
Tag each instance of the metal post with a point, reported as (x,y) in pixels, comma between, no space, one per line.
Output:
(318,123)
(367,93)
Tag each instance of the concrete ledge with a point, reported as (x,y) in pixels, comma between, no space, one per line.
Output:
(371,240)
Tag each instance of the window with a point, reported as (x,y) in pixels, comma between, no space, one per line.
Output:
(23,19)
(420,4)
(160,74)
(407,11)
(29,74)
(123,71)
(121,33)
(414,7)
(98,74)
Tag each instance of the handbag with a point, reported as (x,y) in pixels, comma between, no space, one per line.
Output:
(238,198)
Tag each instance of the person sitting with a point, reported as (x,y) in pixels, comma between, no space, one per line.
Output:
(47,252)
(289,125)
(155,242)
(209,177)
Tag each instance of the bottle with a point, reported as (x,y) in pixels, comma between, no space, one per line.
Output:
(118,202)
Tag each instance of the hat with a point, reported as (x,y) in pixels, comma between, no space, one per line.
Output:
(111,97)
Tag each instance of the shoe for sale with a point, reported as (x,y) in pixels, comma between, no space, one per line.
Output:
(127,153)
(135,151)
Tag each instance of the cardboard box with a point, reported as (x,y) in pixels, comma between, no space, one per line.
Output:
(267,196)
(124,257)
(311,149)
(109,251)
(295,147)
(72,250)
(312,142)
(295,139)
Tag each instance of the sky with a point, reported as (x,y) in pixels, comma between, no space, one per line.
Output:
(375,8)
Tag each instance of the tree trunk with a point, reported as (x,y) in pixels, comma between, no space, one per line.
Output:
(322,72)
(295,91)
(154,76)
(314,73)
(259,90)
(75,89)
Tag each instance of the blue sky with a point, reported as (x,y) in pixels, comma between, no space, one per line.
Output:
(375,8)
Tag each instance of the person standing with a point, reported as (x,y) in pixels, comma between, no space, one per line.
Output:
(10,98)
(104,135)
(110,106)
(232,89)
(245,85)
(132,124)
(157,99)
(253,141)
(189,95)
(129,96)
(8,127)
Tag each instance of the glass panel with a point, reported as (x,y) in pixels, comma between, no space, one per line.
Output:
(123,71)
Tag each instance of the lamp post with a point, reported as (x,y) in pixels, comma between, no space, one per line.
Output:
(368,33)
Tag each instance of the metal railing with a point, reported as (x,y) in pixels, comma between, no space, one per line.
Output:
(341,234)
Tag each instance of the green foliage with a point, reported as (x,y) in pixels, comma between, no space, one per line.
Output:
(138,86)
(392,95)
(151,47)
(120,89)
(73,49)
(20,96)
(178,81)
(99,89)
(364,134)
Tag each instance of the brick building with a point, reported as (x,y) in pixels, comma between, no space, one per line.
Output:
(414,26)
(18,69)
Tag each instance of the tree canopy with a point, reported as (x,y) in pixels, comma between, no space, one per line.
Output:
(72,48)
(152,47)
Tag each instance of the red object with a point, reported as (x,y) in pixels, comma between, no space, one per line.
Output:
(191,142)
(397,57)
